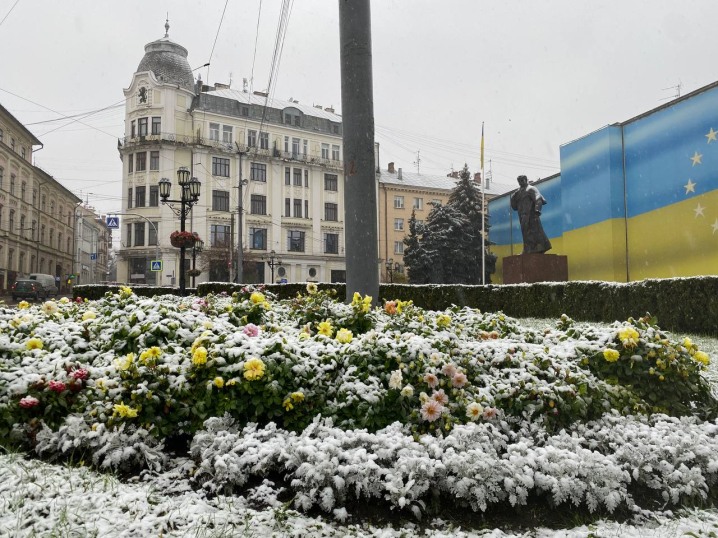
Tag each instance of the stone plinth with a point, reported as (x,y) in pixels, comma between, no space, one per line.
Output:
(529,268)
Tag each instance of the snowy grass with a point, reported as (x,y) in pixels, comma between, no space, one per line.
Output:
(44,500)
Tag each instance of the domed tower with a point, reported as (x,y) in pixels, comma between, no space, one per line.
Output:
(158,140)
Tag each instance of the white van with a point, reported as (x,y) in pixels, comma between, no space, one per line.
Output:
(47,282)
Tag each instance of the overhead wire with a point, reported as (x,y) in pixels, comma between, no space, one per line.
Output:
(8,13)
(215,38)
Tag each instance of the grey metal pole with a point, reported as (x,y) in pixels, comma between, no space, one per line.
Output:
(240,229)
(360,203)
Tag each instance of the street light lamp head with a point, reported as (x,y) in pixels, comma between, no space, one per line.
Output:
(195,187)
(165,188)
(389,263)
(183,176)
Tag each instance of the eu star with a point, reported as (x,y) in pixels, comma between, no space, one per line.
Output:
(690,187)
(696,159)
(715,226)
(711,136)
(699,210)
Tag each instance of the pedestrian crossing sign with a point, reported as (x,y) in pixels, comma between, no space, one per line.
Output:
(113,223)
(156,265)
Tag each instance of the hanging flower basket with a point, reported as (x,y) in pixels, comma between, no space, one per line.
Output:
(194,272)
(183,239)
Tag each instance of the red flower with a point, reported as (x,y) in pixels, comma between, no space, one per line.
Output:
(57,386)
(28,401)
(80,374)
(78,300)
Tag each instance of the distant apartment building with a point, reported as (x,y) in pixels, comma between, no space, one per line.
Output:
(36,211)
(289,154)
(400,194)
(91,247)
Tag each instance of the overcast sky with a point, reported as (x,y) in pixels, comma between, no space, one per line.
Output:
(539,73)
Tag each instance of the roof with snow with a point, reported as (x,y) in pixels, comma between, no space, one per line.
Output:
(430,181)
(251,98)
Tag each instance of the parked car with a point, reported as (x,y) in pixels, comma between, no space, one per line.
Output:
(47,282)
(28,289)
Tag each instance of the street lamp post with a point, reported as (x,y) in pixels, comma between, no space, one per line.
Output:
(189,197)
(197,247)
(273,261)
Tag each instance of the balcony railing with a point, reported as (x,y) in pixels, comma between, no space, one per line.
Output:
(230,147)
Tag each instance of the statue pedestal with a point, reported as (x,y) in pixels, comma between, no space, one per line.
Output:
(529,268)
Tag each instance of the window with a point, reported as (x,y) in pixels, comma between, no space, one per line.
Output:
(305,147)
(286,144)
(264,140)
(129,198)
(52,234)
(34,230)
(42,204)
(418,203)
(22,225)
(306,178)
(297,208)
(1,134)
(52,208)
(2,172)
(335,153)
(133,131)
(330,211)
(68,218)
(258,204)
(68,244)
(220,167)
(214,131)
(22,152)
(130,163)
(245,111)
(142,124)
(331,182)
(335,129)
(288,119)
(139,234)
(59,241)
(258,238)
(287,176)
(12,144)
(295,241)
(0,216)
(297,177)
(398,247)
(436,201)
(23,190)
(154,195)
(156,126)
(154,160)
(298,121)
(11,221)
(398,202)
(306,209)
(295,147)
(252,139)
(419,222)
(152,237)
(12,184)
(287,207)
(219,235)
(139,196)
(399,225)
(258,172)
(141,161)
(227,134)
(331,243)
(325,151)
(220,200)
(34,197)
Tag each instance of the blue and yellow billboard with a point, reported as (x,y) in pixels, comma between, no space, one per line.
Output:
(634,200)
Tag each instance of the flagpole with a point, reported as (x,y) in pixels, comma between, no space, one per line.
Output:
(483,212)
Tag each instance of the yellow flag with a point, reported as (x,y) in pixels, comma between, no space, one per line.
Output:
(482,145)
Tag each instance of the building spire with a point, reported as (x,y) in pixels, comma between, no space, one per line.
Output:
(167,25)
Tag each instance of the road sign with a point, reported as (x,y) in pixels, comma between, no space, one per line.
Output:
(57,279)
(93,256)
(113,223)
(283,281)
(156,266)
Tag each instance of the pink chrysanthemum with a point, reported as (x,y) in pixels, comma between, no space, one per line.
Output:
(440,397)
(431,380)
(490,412)
(80,374)
(449,370)
(459,380)
(57,386)
(28,401)
(431,410)
(251,330)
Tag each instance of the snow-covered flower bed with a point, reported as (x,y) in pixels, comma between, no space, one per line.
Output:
(348,402)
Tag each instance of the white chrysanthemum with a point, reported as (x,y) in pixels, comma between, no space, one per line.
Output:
(474,411)
(407,391)
(395,380)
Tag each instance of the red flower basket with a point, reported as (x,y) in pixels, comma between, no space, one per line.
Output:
(183,239)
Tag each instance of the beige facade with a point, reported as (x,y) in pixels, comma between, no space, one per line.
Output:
(400,194)
(36,211)
(91,246)
(291,161)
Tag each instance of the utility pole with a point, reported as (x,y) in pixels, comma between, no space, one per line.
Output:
(240,229)
(360,203)
(231,247)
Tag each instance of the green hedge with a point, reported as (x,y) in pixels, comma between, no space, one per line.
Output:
(681,304)
(97,291)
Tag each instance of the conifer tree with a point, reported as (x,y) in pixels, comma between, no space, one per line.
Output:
(414,256)
(442,238)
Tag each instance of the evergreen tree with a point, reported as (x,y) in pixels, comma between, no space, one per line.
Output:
(466,199)
(442,238)
(414,256)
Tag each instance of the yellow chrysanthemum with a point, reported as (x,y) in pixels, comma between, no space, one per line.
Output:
(311,288)
(298,396)
(702,357)
(124,411)
(257,297)
(442,320)
(90,314)
(125,362)
(218,382)
(344,336)
(22,305)
(288,405)
(254,369)
(64,300)
(611,355)
(34,343)
(629,337)
(325,328)
(687,343)
(199,357)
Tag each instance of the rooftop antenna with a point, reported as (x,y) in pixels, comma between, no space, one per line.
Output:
(167,25)
(244,85)
(230,79)
(417,162)
(488,177)
(677,88)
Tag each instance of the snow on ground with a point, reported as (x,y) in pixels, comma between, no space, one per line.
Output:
(39,499)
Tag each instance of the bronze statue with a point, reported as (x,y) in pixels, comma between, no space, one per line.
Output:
(527,201)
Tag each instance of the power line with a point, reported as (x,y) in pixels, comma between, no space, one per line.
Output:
(215,38)
(8,13)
